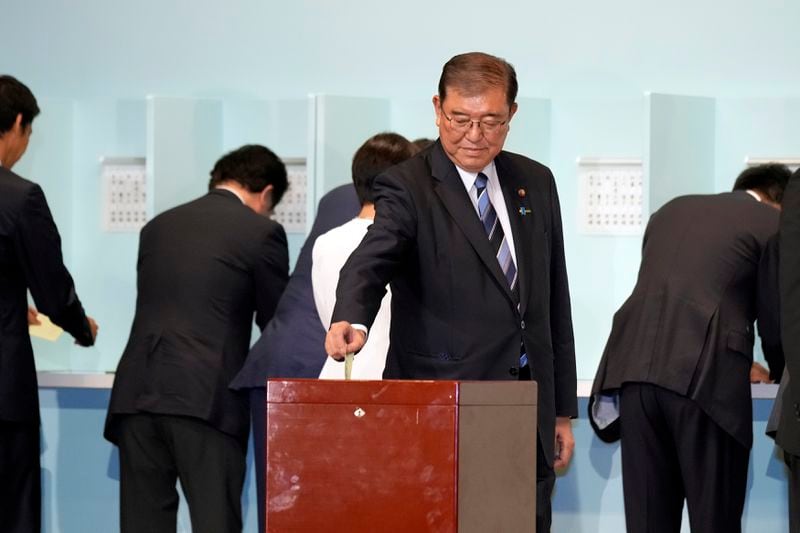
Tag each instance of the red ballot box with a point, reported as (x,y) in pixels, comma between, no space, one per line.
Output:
(400,456)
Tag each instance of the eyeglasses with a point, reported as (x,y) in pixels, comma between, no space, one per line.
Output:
(463,124)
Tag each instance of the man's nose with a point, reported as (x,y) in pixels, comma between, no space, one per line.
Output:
(474,133)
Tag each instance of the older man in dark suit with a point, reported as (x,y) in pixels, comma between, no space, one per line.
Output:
(677,362)
(30,259)
(470,239)
(204,268)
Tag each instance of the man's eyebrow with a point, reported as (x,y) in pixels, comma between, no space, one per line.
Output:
(465,114)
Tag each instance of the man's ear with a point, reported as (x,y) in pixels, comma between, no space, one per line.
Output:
(16,126)
(437,108)
(513,111)
(266,198)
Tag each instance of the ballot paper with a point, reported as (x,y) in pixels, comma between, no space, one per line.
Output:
(348,365)
(45,330)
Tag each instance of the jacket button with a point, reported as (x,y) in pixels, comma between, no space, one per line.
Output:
(513,371)
(522,324)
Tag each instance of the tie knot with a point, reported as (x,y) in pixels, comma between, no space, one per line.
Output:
(480,180)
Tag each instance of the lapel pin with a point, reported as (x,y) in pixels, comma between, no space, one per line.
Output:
(521,192)
(524,211)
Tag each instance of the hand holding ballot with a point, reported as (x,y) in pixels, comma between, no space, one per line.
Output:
(33,319)
(343,339)
(40,325)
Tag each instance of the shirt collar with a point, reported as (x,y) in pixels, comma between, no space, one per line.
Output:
(469,177)
(754,194)
(230,190)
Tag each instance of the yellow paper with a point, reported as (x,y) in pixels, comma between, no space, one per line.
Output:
(348,365)
(46,330)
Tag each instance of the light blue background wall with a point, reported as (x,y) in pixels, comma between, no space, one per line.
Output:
(242,48)
(94,64)
(112,77)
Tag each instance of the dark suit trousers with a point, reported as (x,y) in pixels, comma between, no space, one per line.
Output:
(545,481)
(157,450)
(258,412)
(672,450)
(20,478)
(793,462)
(545,478)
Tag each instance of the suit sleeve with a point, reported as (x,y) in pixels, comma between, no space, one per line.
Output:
(39,248)
(271,274)
(371,266)
(768,309)
(789,279)
(561,316)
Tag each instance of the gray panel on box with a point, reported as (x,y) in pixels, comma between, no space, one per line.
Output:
(497,457)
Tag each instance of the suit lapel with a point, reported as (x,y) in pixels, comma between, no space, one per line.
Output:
(450,190)
(521,218)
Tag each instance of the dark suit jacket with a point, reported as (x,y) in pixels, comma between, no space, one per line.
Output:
(453,315)
(788,435)
(293,344)
(30,258)
(204,267)
(768,305)
(688,325)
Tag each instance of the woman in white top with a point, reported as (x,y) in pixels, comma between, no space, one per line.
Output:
(332,249)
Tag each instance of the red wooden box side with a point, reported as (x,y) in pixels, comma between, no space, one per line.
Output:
(361,456)
(388,391)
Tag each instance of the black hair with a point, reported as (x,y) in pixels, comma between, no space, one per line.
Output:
(475,72)
(254,167)
(422,143)
(769,179)
(377,154)
(15,99)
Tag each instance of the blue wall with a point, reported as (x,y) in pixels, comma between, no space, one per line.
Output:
(267,49)
(80,470)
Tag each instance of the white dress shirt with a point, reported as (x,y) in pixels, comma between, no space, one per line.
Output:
(754,194)
(329,255)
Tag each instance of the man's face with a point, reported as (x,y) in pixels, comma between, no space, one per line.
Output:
(472,146)
(17,137)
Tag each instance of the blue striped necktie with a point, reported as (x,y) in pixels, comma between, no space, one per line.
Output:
(494,230)
(498,241)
